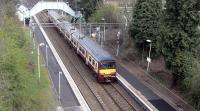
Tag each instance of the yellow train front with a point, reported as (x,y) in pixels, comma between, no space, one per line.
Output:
(107,71)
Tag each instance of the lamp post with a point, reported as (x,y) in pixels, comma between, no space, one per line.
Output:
(46,52)
(148,58)
(80,25)
(126,24)
(90,30)
(118,36)
(40,45)
(76,6)
(33,30)
(59,108)
(60,73)
(71,32)
(24,17)
(98,31)
(104,29)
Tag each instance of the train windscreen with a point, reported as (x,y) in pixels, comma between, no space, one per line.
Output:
(108,65)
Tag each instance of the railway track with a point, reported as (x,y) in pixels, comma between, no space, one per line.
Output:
(107,96)
(115,91)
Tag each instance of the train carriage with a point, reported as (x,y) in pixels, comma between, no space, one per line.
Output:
(94,56)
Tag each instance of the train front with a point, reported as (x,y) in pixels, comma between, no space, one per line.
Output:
(107,71)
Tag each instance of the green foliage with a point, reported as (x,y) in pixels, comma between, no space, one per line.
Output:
(182,20)
(7,7)
(147,24)
(181,42)
(182,36)
(108,12)
(89,7)
(20,89)
(175,35)
(191,85)
(181,65)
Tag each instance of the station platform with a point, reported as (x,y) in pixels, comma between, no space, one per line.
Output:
(153,98)
(68,99)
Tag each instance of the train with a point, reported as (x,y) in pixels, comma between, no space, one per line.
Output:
(99,60)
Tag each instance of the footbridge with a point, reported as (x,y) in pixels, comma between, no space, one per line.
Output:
(48,5)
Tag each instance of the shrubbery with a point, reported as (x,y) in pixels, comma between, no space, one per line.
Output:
(108,12)
(89,7)
(175,36)
(147,24)
(19,88)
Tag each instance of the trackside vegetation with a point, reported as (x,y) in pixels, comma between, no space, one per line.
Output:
(19,86)
(20,89)
(147,24)
(175,35)
(108,12)
(88,7)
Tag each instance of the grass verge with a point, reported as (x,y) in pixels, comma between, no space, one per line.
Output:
(20,89)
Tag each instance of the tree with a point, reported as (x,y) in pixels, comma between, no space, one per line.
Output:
(89,7)
(147,24)
(182,20)
(109,12)
(7,7)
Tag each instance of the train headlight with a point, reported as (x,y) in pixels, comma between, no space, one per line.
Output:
(113,74)
(93,35)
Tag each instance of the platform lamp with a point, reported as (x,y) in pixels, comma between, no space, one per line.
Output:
(104,29)
(40,45)
(148,58)
(59,80)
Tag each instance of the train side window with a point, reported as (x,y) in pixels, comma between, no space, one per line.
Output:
(93,62)
(81,50)
(96,65)
(89,59)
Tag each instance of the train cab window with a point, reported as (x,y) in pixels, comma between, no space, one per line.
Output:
(107,65)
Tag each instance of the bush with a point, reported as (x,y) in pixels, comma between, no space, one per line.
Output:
(186,71)
(191,84)
(20,89)
(108,12)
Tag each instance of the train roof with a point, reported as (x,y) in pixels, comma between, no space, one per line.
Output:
(91,46)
